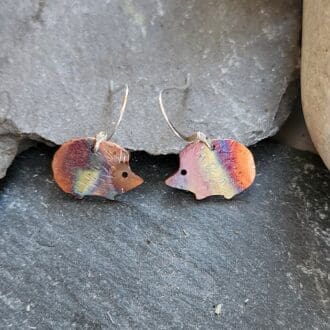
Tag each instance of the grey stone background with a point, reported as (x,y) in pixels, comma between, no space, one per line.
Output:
(159,259)
(57,58)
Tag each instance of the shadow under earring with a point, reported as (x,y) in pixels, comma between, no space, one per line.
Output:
(210,166)
(95,166)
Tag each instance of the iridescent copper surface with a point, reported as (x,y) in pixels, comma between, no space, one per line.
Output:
(80,170)
(226,169)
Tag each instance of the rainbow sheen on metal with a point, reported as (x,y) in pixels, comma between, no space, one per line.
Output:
(225,170)
(81,171)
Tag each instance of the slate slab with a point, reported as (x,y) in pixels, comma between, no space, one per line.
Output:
(58,57)
(158,259)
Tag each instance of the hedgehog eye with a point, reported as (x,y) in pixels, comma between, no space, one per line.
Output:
(124,175)
(183,172)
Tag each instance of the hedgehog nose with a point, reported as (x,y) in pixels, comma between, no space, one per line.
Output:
(135,181)
(170,181)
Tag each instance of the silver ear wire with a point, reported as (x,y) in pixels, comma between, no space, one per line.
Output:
(197,136)
(103,136)
(122,109)
(185,87)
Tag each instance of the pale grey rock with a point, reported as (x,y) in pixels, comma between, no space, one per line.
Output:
(11,140)
(57,58)
(8,151)
(10,146)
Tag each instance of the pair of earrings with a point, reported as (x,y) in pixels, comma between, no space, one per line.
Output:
(98,167)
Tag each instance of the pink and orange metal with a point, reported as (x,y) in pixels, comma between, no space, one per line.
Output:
(210,167)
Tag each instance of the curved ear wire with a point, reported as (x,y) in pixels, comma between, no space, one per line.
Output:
(102,136)
(162,108)
(198,136)
(122,109)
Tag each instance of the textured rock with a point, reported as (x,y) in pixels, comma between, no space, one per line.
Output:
(315,75)
(159,259)
(11,141)
(8,151)
(294,132)
(57,58)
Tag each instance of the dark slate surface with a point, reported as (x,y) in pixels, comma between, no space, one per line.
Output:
(158,259)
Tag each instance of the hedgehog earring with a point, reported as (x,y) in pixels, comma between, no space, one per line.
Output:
(95,166)
(210,167)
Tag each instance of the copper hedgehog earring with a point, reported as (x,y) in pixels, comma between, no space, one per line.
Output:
(94,166)
(210,166)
